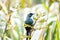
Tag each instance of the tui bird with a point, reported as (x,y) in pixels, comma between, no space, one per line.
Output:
(29,21)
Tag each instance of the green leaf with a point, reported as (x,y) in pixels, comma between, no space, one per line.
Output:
(47,34)
(55,34)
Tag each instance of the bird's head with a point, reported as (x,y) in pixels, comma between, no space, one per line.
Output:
(30,14)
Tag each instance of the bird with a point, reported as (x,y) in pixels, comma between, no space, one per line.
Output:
(29,21)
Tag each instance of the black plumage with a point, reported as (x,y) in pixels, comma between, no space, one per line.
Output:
(29,21)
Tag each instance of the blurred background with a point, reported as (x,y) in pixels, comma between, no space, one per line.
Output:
(13,14)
